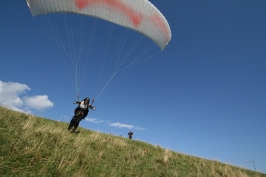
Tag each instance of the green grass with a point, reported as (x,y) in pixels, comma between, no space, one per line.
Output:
(34,146)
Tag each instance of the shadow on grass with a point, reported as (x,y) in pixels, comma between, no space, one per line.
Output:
(75,132)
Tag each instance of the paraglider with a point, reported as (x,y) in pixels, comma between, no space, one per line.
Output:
(137,15)
(80,113)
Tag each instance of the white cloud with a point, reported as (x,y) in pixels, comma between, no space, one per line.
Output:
(10,97)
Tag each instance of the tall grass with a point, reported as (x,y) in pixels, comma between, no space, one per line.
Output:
(34,146)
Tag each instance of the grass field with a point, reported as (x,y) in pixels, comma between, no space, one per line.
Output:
(35,146)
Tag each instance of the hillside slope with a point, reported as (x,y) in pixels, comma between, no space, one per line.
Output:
(34,146)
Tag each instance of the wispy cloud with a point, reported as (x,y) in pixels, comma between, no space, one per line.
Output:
(116,125)
(94,120)
(10,97)
(120,125)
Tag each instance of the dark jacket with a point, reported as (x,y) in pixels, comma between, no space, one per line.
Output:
(85,110)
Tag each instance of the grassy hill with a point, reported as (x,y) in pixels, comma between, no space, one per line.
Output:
(34,146)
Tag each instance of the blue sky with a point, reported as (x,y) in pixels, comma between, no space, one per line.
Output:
(204,95)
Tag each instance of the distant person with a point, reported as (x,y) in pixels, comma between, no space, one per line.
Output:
(130,134)
(80,113)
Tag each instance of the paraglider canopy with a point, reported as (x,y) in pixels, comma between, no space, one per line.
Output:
(139,15)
